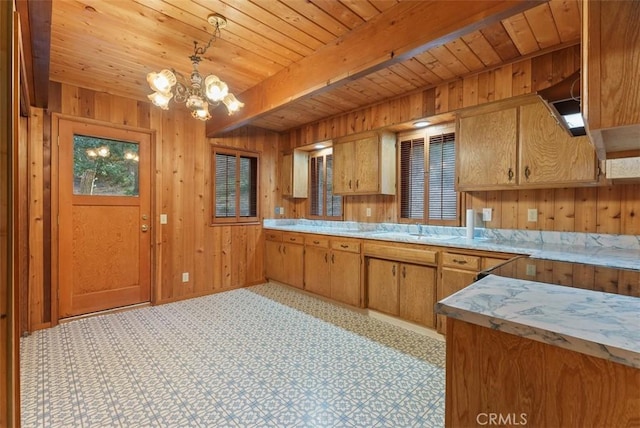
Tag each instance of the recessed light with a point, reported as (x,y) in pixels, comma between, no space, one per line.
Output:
(319,146)
(421,123)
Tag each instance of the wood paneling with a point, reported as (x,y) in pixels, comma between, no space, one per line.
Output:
(533,383)
(216,257)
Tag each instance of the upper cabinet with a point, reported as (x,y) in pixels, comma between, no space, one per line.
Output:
(365,166)
(518,144)
(294,178)
(610,70)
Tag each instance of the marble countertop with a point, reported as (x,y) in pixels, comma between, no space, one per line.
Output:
(601,255)
(600,324)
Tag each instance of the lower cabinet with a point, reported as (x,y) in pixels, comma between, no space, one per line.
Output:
(332,269)
(402,289)
(284,254)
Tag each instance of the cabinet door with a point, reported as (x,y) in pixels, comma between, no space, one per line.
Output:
(418,294)
(345,277)
(548,154)
(343,164)
(382,285)
(367,165)
(317,277)
(286,175)
(274,268)
(486,150)
(293,264)
(453,280)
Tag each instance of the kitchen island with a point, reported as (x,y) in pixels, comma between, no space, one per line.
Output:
(529,353)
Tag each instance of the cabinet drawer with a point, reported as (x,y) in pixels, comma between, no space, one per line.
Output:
(461,261)
(342,245)
(401,254)
(317,241)
(274,236)
(293,238)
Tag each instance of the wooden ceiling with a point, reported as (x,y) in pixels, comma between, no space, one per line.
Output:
(110,46)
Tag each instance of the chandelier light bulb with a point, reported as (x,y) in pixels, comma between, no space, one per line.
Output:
(162,81)
(203,113)
(232,103)
(215,89)
(160,99)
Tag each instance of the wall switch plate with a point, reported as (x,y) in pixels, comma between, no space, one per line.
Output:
(531,270)
(185,276)
(486,214)
(281,210)
(163,219)
(532,214)
(368,212)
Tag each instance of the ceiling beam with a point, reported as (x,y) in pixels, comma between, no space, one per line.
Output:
(35,23)
(395,35)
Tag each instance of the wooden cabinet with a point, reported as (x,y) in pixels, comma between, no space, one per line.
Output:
(506,146)
(548,155)
(284,258)
(610,96)
(486,149)
(332,268)
(365,166)
(397,286)
(294,177)
(458,271)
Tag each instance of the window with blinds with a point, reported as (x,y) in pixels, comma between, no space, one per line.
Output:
(235,186)
(323,203)
(427,179)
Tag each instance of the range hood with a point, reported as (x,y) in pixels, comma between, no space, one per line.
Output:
(563,101)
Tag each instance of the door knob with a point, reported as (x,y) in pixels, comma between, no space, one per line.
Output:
(144,227)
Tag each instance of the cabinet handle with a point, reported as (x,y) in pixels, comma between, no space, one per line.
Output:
(527,172)
(280,248)
(284,250)
(292,239)
(358,184)
(404,271)
(316,242)
(510,174)
(393,270)
(344,246)
(325,258)
(460,262)
(332,258)
(349,184)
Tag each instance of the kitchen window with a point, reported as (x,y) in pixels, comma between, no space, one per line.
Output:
(427,177)
(323,204)
(235,186)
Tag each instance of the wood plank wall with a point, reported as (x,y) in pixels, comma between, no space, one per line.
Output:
(217,257)
(614,209)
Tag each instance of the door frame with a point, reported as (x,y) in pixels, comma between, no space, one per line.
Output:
(55,209)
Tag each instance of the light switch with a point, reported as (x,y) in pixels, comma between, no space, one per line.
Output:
(532,214)
(185,276)
(486,214)
(368,212)
(163,219)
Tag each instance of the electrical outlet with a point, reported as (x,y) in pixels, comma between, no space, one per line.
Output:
(486,214)
(532,214)
(281,210)
(368,212)
(185,276)
(163,219)
(531,270)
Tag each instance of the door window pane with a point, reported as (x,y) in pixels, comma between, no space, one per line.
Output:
(104,167)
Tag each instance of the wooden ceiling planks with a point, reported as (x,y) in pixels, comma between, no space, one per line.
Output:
(111,47)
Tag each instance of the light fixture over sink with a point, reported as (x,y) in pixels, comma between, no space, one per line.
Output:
(563,101)
(197,92)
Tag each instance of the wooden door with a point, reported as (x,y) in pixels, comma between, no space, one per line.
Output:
(548,154)
(286,175)
(293,264)
(382,285)
(486,150)
(343,170)
(273,261)
(367,158)
(104,236)
(345,277)
(317,278)
(418,294)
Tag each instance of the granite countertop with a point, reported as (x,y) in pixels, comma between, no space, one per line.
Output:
(600,324)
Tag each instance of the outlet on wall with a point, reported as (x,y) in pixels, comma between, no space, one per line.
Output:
(163,219)
(185,276)
(532,214)
(368,212)
(486,214)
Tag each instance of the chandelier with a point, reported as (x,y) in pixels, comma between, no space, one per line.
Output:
(197,92)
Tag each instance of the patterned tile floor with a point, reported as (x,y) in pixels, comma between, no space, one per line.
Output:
(265,356)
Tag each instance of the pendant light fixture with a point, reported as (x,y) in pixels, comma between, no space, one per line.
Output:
(197,93)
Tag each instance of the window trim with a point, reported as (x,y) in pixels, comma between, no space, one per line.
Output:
(425,133)
(315,154)
(237,153)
